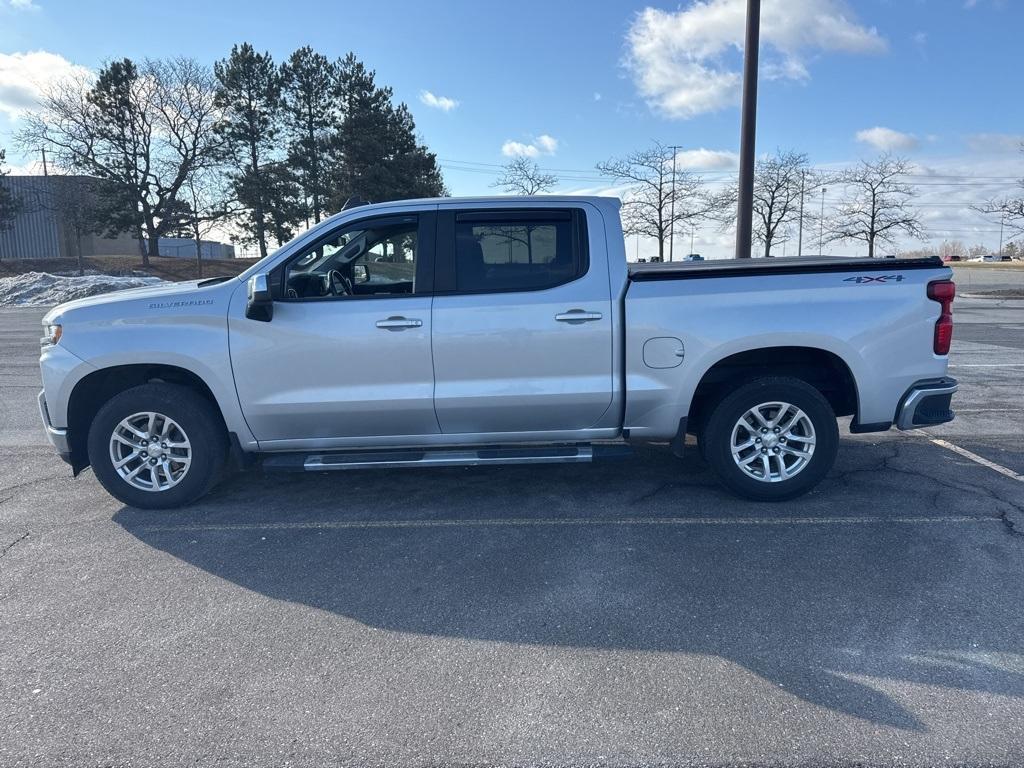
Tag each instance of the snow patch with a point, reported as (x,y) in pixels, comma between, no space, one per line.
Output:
(43,289)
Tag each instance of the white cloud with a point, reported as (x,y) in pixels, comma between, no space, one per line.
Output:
(23,5)
(707,159)
(996,143)
(541,145)
(518,149)
(680,63)
(443,103)
(24,76)
(597,96)
(547,144)
(888,140)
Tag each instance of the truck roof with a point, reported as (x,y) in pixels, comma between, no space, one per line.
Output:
(489,199)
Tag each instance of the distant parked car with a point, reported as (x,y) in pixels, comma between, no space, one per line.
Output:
(694,257)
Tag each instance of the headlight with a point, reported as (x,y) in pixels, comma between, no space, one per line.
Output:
(51,334)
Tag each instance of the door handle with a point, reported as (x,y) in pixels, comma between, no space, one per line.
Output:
(398,323)
(577,316)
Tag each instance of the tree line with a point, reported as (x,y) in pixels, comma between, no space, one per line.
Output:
(178,148)
(664,200)
(875,204)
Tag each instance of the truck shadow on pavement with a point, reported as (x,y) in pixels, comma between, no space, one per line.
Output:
(841,614)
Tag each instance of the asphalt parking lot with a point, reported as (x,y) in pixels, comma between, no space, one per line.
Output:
(617,614)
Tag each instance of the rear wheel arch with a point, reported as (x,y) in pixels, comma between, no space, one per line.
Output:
(824,370)
(93,391)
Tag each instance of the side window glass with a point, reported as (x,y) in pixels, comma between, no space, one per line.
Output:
(514,254)
(368,258)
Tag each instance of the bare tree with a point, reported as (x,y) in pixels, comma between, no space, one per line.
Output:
(1008,210)
(659,201)
(144,129)
(74,199)
(778,183)
(952,250)
(209,202)
(523,176)
(877,205)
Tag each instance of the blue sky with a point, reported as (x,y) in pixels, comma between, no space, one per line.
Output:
(575,83)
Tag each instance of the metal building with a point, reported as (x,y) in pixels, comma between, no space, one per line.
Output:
(45,225)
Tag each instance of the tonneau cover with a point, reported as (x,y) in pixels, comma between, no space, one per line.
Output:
(790,265)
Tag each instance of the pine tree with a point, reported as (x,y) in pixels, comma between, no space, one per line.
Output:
(250,96)
(309,87)
(378,156)
(9,204)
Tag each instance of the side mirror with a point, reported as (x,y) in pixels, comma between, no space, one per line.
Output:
(360,274)
(260,304)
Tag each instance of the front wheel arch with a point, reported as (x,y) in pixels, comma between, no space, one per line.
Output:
(197,447)
(93,391)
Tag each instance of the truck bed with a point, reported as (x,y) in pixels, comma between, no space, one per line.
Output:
(790,265)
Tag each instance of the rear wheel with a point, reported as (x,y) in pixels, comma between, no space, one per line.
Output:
(157,446)
(772,439)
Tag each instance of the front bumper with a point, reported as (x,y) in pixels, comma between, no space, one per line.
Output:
(58,437)
(926,404)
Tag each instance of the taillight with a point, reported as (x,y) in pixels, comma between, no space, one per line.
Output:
(943,292)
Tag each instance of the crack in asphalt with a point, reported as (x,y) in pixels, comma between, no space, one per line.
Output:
(885,463)
(14,543)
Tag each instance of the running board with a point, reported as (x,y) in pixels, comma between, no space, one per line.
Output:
(444,457)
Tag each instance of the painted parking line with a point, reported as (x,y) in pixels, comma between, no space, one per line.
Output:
(988,410)
(987,365)
(978,459)
(696,522)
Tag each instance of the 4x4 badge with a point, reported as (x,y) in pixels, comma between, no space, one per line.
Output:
(874,279)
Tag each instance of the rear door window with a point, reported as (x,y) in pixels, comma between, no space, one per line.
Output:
(516,251)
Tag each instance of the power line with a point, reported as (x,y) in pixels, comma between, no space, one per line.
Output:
(580,174)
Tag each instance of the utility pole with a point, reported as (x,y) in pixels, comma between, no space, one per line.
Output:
(748,131)
(45,171)
(821,223)
(1002,220)
(800,236)
(672,204)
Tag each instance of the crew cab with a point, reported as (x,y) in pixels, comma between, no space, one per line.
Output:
(492,331)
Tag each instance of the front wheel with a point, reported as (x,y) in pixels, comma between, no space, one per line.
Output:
(157,446)
(772,439)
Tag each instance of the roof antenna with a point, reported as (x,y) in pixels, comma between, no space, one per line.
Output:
(354,202)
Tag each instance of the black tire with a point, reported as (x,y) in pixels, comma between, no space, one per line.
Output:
(199,420)
(717,438)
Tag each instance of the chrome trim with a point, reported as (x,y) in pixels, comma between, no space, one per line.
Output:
(58,437)
(462,458)
(577,316)
(398,323)
(905,415)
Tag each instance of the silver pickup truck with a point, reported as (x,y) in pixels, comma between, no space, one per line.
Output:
(492,331)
